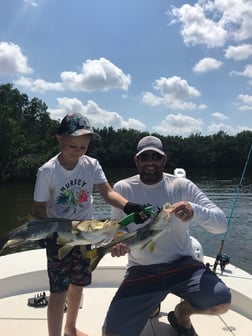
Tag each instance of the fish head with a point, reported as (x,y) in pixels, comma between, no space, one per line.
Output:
(97,231)
(97,226)
(160,223)
(162,219)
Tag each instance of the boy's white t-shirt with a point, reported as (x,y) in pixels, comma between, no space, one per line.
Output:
(68,193)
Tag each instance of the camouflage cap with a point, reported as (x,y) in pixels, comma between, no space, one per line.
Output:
(75,124)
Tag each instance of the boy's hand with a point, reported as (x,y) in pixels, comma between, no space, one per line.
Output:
(138,209)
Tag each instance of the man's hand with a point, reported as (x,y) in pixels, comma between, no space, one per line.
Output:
(183,211)
(138,209)
(119,250)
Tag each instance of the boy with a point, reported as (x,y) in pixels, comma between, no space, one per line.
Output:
(63,189)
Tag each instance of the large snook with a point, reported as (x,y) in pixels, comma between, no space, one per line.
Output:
(144,237)
(70,233)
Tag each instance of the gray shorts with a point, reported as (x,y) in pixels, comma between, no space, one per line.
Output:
(144,287)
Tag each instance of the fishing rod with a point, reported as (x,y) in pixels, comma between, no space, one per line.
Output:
(223,259)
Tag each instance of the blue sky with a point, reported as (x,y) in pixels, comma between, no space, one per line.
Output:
(171,67)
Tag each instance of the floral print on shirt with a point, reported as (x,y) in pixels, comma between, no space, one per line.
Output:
(72,199)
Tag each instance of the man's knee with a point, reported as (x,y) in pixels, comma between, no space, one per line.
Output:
(220,309)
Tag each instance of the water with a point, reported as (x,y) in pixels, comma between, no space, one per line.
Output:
(16,205)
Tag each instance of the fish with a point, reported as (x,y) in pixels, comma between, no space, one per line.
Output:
(143,238)
(69,234)
(97,233)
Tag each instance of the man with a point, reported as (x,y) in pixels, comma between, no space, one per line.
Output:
(172,267)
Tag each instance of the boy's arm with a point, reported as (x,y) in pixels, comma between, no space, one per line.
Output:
(111,196)
(39,209)
(118,201)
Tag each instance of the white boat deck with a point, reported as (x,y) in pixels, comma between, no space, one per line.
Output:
(24,274)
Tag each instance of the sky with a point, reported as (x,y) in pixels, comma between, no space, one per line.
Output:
(168,67)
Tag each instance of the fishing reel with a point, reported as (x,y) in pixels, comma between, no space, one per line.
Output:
(222,259)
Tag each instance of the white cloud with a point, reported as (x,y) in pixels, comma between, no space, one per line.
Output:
(215,128)
(175,124)
(98,117)
(174,93)
(32,3)
(207,64)
(202,107)
(219,116)
(213,23)
(243,128)
(96,75)
(245,102)
(247,72)
(12,61)
(38,85)
(197,28)
(240,52)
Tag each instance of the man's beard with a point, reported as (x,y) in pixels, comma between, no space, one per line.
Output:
(151,177)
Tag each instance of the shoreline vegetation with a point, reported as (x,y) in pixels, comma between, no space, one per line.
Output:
(28,140)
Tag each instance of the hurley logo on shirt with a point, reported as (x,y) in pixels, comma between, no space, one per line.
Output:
(72,195)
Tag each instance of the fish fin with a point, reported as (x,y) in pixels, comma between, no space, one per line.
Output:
(64,250)
(94,261)
(12,243)
(145,244)
(95,255)
(150,244)
(63,240)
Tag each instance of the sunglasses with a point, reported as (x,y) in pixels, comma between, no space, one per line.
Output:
(144,157)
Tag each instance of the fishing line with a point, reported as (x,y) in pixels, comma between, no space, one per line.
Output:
(224,259)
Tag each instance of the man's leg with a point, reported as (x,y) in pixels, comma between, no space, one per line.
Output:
(204,293)
(184,310)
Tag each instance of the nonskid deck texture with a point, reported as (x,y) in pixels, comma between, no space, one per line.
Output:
(17,318)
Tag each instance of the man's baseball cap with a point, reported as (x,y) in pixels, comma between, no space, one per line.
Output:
(150,143)
(75,124)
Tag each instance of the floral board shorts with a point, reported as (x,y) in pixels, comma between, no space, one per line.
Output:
(73,268)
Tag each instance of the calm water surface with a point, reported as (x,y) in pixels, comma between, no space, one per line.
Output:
(16,204)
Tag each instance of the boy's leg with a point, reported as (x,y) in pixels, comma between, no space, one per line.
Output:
(55,313)
(80,277)
(73,304)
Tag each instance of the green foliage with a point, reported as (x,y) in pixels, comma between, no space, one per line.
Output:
(27,137)
(27,134)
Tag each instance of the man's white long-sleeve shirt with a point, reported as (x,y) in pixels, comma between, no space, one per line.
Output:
(175,242)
